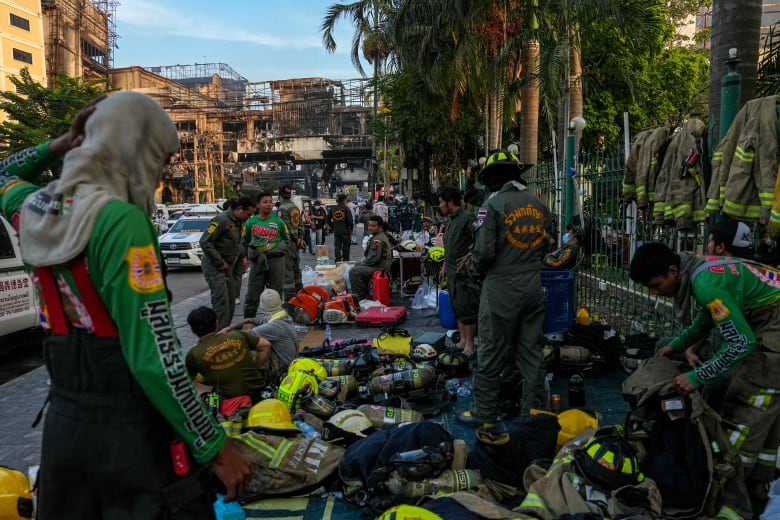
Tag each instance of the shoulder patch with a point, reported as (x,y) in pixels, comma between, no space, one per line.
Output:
(212,227)
(481,216)
(718,311)
(144,274)
(295,216)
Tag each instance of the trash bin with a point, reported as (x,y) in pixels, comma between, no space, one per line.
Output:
(559,300)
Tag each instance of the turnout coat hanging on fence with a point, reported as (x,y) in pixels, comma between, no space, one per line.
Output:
(744,165)
(643,165)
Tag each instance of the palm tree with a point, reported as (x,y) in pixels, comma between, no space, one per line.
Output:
(735,24)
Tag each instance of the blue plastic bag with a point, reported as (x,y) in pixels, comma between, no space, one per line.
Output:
(228,510)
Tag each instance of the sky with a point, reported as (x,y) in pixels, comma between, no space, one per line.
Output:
(261,40)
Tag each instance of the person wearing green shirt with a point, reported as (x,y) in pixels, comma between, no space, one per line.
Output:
(741,299)
(119,393)
(266,239)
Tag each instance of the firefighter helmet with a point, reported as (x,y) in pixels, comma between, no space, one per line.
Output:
(501,167)
(407,512)
(424,352)
(436,254)
(308,365)
(15,495)
(294,387)
(608,461)
(271,414)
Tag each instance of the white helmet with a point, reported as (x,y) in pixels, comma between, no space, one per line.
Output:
(409,245)
(424,352)
(352,421)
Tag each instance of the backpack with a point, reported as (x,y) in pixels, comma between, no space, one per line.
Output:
(683,446)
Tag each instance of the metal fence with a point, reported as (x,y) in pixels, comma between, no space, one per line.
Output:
(614,229)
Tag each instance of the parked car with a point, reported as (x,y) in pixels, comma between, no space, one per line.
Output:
(180,246)
(18,305)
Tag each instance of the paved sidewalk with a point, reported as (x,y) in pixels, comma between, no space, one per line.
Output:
(22,398)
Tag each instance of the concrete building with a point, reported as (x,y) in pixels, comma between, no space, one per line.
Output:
(21,41)
(314,133)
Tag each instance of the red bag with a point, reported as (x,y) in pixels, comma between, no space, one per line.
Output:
(381,287)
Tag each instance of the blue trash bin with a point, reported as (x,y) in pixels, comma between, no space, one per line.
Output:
(559,300)
(446,314)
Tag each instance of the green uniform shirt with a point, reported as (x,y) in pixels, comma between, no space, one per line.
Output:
(458,238)
(265,234)
(340,219)
(291,215)
(124,261)
(221,242)
(227,362)
(724,294)
(378,252)
(564,258)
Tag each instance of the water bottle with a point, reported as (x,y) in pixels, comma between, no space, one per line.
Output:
(576,391)
(308,430)
(328,334)
(452,386)
(464,390)
(547,390)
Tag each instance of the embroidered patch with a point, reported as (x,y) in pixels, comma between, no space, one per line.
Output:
(481,216)
(144,274)
(212,227)
(718,311)
(295,217)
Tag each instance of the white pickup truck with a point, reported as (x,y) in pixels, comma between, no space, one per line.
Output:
(18,306)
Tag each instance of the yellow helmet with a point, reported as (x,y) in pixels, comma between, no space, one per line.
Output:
(573,422)
(308,365)
(15,495)
(500,167)
(436,254)
(294,386)
(407,512)
(271,414)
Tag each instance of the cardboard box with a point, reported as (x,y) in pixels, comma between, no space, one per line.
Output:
(322,250)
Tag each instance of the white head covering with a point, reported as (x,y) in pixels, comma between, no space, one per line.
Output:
(126,143)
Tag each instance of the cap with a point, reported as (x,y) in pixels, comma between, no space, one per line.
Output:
(733,233)
(270,302)
(286,191)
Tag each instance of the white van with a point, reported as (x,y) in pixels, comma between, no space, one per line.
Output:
(18,305)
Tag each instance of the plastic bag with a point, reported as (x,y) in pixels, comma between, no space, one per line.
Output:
(308,276)
(425,297)
(335,278)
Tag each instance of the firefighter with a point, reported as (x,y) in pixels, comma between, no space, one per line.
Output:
(291,214)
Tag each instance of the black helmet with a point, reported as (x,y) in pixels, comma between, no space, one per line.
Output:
(501,167)
(608,461)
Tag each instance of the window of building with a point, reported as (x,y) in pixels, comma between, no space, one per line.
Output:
(93,52)
(21,23)
(22,56)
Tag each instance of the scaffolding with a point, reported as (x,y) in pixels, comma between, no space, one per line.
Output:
(109,8)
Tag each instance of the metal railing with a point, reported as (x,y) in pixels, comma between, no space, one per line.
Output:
(614,229)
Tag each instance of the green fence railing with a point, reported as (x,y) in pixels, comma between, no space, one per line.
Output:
(614,229)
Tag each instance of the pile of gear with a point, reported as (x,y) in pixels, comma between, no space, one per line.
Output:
(313,305)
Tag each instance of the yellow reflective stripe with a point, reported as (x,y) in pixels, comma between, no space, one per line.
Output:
(767,458)
(738,436)
(762,400)
(722,191)
(653,161)
(667,210)
(741,210)
(533,501)
(682,210)
(641,190)
(744,155)
(257,445)
(628,189)
(774,216)
(717,155)
(232,428)
(728,514)
(651,196)
(699,215)
(712,205)
(766,197)
(281,451)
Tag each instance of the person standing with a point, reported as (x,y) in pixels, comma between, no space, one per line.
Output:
(380,209)
(162,222)
(225,359)
(512,234)
(222,254)
(742,300)
(308,224)
(464,291)
(318,215)
(291,214)
(340,221)
(378,257)
(392,214)
(266,241)
(417,214)
(118,378)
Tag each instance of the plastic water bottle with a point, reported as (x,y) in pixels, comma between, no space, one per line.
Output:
(308,430)
(452,386)
(328,334)
(464,390)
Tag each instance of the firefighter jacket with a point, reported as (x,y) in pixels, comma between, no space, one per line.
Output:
(744,164)
(679,194)
(632,164)
(649,164)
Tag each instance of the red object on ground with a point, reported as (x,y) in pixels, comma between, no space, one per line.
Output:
(378,316)
(381,287)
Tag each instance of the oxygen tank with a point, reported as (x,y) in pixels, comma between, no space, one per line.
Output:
(450,481)
(338,387)
(336,367)
(381,416)
(401,382)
